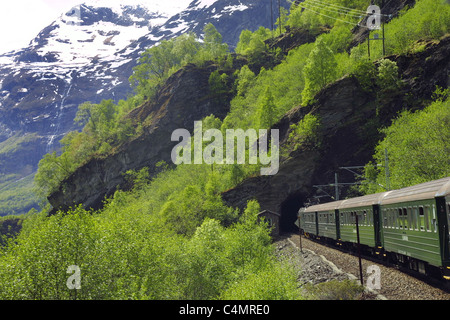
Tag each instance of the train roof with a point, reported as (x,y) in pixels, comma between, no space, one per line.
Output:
(323,206)
(363,201)
(427,190)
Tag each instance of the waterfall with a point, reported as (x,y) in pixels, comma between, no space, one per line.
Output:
(59,115)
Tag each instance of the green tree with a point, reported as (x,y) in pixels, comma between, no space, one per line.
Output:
(212,47)
(266,110)
(319,70)
(218,83)
(418,149)
(388,78)
(244,80)
(252,44)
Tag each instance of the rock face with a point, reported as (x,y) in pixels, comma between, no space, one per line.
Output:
(184,99)
(348,134)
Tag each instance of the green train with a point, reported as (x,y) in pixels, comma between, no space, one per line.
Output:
(408,227)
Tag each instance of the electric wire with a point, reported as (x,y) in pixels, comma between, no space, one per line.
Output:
(335,18)
(352,12)
(342,7)
(345,21)
(337,11)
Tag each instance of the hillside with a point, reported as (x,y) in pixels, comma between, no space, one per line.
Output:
(151,200)
(88,54)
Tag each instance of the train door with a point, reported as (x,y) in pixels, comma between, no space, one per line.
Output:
(443,210)
(447,213)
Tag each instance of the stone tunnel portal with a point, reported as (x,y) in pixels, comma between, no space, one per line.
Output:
(288,212)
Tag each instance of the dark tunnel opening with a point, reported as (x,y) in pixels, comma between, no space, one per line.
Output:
(288,211)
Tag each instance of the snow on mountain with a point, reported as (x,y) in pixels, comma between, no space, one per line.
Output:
(89,52)
(202,4)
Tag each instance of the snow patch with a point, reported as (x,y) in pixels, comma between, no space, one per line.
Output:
(231,9)
(202,4)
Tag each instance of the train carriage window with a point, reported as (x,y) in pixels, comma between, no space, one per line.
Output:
(393,217)
(386,218)
(414,217)
(420,220)
(405,219)
(410,218)
(433,220)
(365,218)
(427,219)
(400,219)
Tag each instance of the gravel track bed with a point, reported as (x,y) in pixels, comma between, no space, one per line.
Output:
(319,263)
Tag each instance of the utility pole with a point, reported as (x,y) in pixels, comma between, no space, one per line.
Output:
(386,170)
(271,16)
(279,14)
(336,186)
(375,22)
(382,27)
(359,249)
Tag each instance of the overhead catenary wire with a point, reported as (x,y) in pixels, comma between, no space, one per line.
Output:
(337,19)
(341,7)
(335,10)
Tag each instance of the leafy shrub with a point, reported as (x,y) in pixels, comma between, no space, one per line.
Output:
(417,148)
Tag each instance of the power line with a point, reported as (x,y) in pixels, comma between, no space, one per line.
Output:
(345,21)
(337,6)
(342,7)
(336,10)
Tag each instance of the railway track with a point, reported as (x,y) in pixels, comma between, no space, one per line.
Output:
(394,283)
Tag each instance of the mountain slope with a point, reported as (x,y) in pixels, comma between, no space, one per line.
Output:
(88,54)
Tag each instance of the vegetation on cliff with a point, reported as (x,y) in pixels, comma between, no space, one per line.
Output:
(171,236)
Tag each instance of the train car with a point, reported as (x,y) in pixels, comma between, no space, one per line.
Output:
(320,220)
(367,209)
(409,225)
(415,224)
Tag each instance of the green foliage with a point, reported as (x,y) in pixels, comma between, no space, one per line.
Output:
(17,196)
(212,48)
(388,78)
(139,179)
(312,15)
(128,251)
(244,80)
(365,71)
(266,110)
(319,70)
(417,145)
(251,90)
(305,132)
(218,84)
(105,127)
(429,19)
(172,237)
(252,44)
(159,62)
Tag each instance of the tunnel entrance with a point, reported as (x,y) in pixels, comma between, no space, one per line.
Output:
(288,210)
